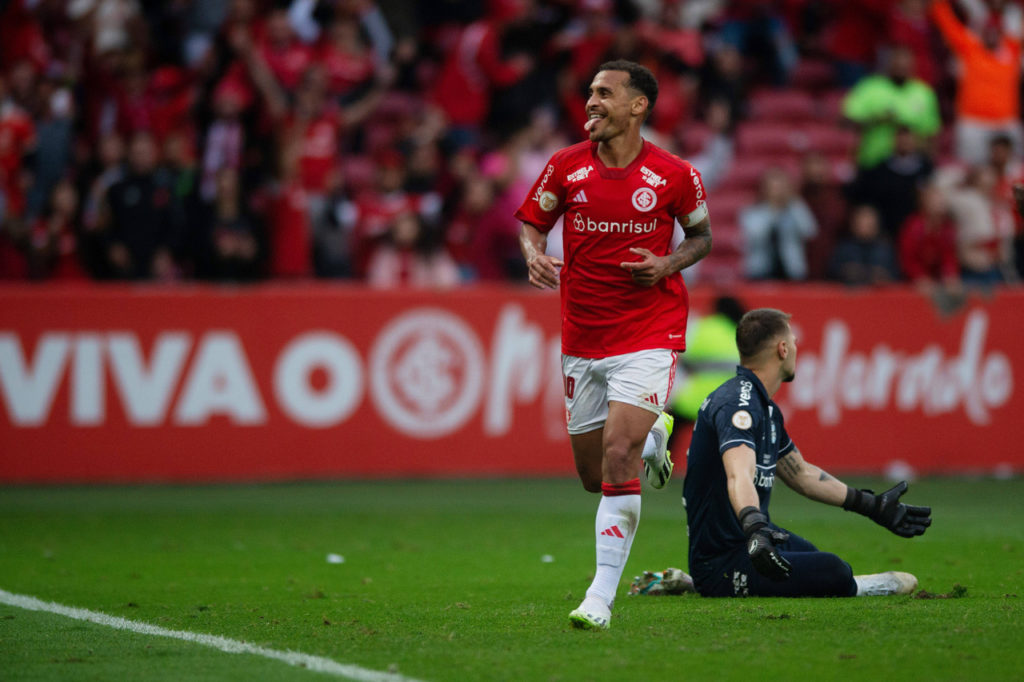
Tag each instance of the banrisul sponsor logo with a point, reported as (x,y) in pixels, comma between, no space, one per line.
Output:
(583,223)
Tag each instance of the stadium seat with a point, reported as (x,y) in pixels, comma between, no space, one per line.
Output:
(725,206)
(783,105)
(830,139)
(831,105)
(813,74)
(745,172)
(727,236)
(694,138)
(794,139)
(768,137)
(722,269)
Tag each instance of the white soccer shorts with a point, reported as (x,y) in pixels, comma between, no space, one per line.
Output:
(643,379)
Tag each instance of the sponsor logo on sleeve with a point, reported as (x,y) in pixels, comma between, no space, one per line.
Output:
(544,181)
(548,201)
(745,388)
(698,188)
(741,419)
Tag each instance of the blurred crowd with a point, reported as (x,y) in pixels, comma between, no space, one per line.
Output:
(390,141)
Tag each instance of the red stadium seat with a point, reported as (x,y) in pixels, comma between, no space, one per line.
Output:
(831,105)
(727,236)
(794,139)
(694,138)
(722,268)
(830,139)
(764,138)
(784,105)
(725,206)
(813,74)
(746,170)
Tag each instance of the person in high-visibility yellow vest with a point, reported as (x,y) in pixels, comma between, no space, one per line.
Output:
(710,357)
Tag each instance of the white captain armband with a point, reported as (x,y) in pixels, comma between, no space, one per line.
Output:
(696,215)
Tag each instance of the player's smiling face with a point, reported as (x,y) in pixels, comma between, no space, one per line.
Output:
(611,105)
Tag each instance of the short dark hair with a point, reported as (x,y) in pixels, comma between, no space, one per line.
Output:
(640,79)
(758,328)
(731,307)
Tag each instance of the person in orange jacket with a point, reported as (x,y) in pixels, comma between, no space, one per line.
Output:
(987,98)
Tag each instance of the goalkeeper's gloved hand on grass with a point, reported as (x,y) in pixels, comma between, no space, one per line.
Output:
(887,510)
(761,541)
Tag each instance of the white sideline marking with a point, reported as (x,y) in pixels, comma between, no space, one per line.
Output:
(231,646)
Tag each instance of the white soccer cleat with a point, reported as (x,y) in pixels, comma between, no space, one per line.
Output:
(881,584)
(658,464)
(592,614)
(659,583)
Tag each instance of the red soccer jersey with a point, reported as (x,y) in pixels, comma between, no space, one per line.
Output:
(607,212)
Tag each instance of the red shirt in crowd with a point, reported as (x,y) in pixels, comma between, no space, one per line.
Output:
(372,214)
(928,253)
(345,70)
(17,136)
(319,151)
(287,63)
(607,211)
(470,70)
(59,240)
(290,241)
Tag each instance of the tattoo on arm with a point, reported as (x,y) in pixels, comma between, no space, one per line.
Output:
(696,245)
(825,476)
(789,467)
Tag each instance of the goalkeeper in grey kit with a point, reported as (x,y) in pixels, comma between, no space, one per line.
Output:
(739,445)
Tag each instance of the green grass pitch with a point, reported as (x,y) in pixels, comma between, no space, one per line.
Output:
(444,580)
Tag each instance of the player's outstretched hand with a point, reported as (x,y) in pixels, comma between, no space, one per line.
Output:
(886,510)
(544,271)
(761,542)
(648,271)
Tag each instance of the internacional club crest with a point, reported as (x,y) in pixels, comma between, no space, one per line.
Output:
(644,199)
(427,373)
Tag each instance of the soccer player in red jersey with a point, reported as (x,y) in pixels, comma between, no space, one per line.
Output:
(624,304)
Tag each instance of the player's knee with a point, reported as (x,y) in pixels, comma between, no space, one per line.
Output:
(841,574)
(617,454)
(840,567)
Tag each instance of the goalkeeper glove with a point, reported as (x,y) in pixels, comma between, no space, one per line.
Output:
(887,510)
(761,541)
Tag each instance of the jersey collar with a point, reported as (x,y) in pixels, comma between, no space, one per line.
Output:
(618,173)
